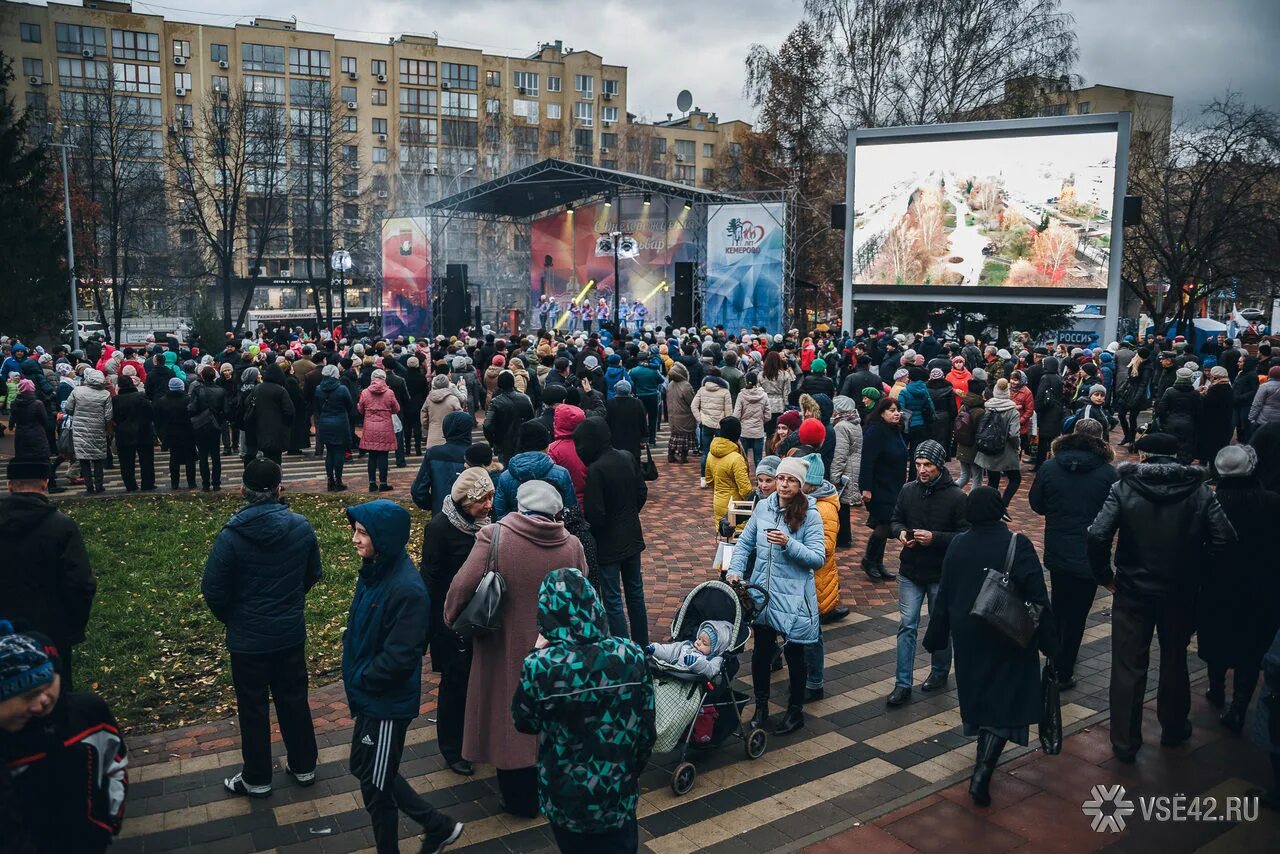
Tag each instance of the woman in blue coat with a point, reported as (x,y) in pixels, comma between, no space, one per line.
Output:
(880,478)
(785,535)
(335,418)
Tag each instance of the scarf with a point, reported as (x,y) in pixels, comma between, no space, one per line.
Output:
(463,522)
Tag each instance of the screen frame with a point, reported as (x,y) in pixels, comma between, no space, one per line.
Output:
(1120,123)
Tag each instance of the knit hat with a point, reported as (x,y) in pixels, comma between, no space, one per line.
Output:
(498,361)
(812,432)
(768,466)
(1183,376)
(900,374)
(980,374)
(1157,444)
(843,403)
(1219,371)
(797,467)
(622,388)
(1001,389)
(730,428)
(817,471)
(1236,461)
(176,384)
(330,371)
(1097,388)
(873,393)
(507,381)
(473,484)
(936,374)
(25,385)
(480,454)
(533,436)
(439,381)
(933,452)
(590,362)
(960,360)
(262,475)
(791,419)
(1088,427)
(23,663)
(554,394)
(28,468)
(819,366)
(539,497)
(709,628)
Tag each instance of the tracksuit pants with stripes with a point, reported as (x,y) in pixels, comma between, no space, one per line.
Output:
(375,761)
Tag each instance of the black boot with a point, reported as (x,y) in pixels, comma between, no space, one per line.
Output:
(793,720)
(884,574)
(989,747)
(869,567)
(1233,718)
(760,719)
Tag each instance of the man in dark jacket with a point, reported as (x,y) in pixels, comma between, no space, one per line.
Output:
(46,578)
(442,464)
(1170,526)
(382,672)
(272,414)
(862,378)
(928,513)
(612,499)
(263,562)
(1068,493)
(625,415)
(507,411)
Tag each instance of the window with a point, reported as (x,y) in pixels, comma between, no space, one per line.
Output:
(527,109)
(183,114)
(492,106)
(658,148)
(127,44)
(350,124)
(526,138)
(309,93)
(493,78)
(455,161)
(304,61)
(583,159)
(32,67)
(553,111)
(584,112)
(182,80)
(526,83)
(218,53)
(1055,110)
(182,48)
(609,87)
(414,158)
(136,78)
(420,101)
(684,172)
(584,84)
(419,130)
(379,154)
(491,134)
(708,175)
(378,68)
(457,76)
(553,138)
(311,120)
(708,150)
(608,140)
(633,144)
(220,84)
(459,104)
(82,72)
(264,90)
(348,93)
(418,72)
(73,38)
(79,106)
(351,154)
(30,33)
(454,132)
(379,125)
(379,98)
(1084,108)
(553,84)
(347,64)
(583,140)
(262,57)
(610,114)
(735,150)
(684,150)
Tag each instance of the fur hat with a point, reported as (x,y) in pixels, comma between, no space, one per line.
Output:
(1236,461)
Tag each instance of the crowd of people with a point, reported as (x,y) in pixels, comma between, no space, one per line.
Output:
(816,434)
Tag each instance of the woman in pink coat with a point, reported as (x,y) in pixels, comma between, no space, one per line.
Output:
(562,450)
(378,405)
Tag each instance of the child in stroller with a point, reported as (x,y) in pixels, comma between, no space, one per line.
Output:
(704,655)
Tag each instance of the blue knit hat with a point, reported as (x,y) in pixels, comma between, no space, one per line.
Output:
(710,629)
(816,470)
(768,465)
(176,384)
(23,664)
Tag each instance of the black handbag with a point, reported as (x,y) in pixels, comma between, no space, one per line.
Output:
(1002,608)
(1050,711)
(648,468)
(483,614)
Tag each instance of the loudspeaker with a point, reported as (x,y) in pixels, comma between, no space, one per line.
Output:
(837,216)
(682,297)
(1132,211)
(456,298)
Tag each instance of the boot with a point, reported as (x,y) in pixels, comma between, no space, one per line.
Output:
(885,575)
(869,567)
(1217,692)
(331,486)
(1233,718)
(793,720)
(760,719)
(989,747)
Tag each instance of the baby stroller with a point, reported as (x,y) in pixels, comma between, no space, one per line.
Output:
(682,698)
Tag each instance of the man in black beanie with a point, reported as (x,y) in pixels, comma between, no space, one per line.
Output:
(507,411)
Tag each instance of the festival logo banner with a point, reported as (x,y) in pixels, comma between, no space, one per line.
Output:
(406,277)
(744,266)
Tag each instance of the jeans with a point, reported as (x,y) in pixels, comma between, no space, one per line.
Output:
(281,676)
(814,654)
(334,459)
(705,435)
(145,457)
(911,597)
(210,452)
(650,402)
(970,471)
(614,578)
(623,840)
(378,466)
(754,447)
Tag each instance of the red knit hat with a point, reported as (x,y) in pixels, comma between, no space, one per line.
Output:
(499,360)
(791,418)
(812,433)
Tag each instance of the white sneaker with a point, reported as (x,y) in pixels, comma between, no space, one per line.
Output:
(702,483)
(237,786)
(302,778)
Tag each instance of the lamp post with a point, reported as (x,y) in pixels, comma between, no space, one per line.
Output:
(341,261)
(71,249)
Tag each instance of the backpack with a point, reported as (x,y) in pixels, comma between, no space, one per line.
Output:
(993,434)
(965,427)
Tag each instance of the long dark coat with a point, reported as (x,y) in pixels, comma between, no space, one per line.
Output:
(998,682)
(1216,421)
(444,550)
(272,411)
(174,421)
(30,422)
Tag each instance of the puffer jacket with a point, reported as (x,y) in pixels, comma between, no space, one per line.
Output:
(590,698)
(1068,492)
(562,450)
(846,462)
(440,402)
(786,572)
(527,466)
(711,404)
(442,463)
(1266,403)
(263,562)
(1170,527)
(335,413)
(679,400)
(914,398)
(938,507)
(377,404)
(90,405)
(727,474)
(826,579)
(491,381)
(778,389)
(752,409)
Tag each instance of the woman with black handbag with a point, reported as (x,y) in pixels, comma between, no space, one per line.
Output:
(998,680)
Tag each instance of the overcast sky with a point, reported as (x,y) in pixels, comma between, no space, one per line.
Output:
(1191,49)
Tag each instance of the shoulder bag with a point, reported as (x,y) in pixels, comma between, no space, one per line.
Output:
(1001,607)
(483,614)
(649,469)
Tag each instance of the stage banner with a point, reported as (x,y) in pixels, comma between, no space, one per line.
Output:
(406,277)
(745,245)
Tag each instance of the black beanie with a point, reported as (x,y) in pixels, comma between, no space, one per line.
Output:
(533,436)
(479,454)
(730,428)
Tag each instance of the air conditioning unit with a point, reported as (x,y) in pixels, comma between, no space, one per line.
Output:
(608,96)
(354,75)
(300,130)
(284,274)
(604,149)
(521,90)
(35,81)
(382,78)
(444,84)
(173,129)
(351,105)
(382,137)
(382,194)
(346,220)
(179,60)
(350,194)
(222,63)
(186,122)
(222,94)
(431,170)
(87,53)
(180,92)
(679,158)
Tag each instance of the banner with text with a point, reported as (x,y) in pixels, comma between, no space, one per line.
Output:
(406,277)
(745,245)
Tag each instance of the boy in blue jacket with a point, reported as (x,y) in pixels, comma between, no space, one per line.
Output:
(382,672)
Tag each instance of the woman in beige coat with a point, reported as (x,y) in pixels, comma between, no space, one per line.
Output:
(441,400)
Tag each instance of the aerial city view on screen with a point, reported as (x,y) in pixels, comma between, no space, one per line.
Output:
(1020,211)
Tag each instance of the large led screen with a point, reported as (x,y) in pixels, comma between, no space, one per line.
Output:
(1013,210)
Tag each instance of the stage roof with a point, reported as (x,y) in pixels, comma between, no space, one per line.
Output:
(554,183)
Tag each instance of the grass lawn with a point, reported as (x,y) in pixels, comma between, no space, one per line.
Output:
(993,273)
(153,650)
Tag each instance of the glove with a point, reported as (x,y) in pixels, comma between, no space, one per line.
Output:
(690,659)
(649,648)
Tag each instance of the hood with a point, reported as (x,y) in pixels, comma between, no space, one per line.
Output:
(388,524)
(95,379)
(678,372)
(1000,404)
(1078,452)
(714,384)
(328,384)
(753,395)
(170,358)
(721,447)
(569,611)
(972,400)
(457,427)
(438,395)
(724,636)
(917,387)
(378,386)
(262,524)
(530,465)
(493,370)
(273,374)
(23,511)
(824,490)
(590,439)
(566,419)
(1162,481)
(825,406)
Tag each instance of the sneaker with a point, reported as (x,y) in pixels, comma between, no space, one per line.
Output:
(237,786)
(434,843)
(302,778)
(702,483)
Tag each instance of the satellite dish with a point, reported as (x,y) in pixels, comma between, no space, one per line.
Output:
(684,100)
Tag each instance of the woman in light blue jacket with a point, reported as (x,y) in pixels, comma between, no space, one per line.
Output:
(785,534)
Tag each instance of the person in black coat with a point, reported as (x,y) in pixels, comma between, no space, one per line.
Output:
(272,414)
(1178,414)
(612,499)
(998,681)
(208,396)
(861,378)
(300,427)
(1068,493)
(1051,409)
(1266,441)
(881,474)
(135,436)
(335,415)
(29,421)
(1244,388)
(1217,415)
(418,386)
(507,411)
(628,423)
(442,463)
(173,420)
(945,406)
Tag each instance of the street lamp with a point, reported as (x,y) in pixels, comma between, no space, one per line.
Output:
(71,249)
(341,261)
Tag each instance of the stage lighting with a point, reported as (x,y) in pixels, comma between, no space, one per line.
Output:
(647,199)
(687,204)
(569,207)
(608,204)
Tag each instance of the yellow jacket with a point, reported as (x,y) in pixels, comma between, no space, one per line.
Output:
(827,578)
(727,474)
